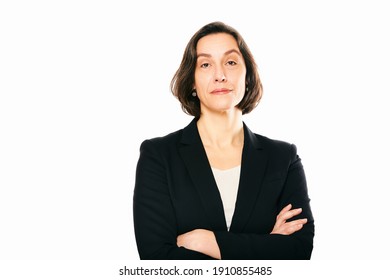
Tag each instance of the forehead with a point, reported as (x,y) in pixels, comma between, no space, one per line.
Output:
(216,43)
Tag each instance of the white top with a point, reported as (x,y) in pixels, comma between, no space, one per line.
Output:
(227,182)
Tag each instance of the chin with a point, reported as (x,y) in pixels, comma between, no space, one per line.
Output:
(226,110)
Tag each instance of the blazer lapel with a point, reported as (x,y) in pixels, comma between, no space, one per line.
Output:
(195,159)
(253,166)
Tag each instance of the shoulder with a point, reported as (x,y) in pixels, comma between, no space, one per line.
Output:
(275,148)
(162,142)
(279,153)
(187,134)
(275,144)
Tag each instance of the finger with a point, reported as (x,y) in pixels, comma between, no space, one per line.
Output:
(290,214)
(281,217)
(285,209)
(297,222)
(291,227)
(281,220)
(296,225)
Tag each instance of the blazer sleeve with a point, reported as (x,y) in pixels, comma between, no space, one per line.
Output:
(276,246)
(154,218)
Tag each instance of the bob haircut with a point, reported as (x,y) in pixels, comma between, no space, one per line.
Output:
(184,79)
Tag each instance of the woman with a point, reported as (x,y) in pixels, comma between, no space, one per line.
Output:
(216,190)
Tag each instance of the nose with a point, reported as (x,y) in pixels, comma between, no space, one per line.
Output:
(219,75)
(220,79)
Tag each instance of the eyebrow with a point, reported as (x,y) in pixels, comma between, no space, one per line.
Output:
(226,53)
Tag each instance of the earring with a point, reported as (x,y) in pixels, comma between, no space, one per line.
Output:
(247,89)
(193,93)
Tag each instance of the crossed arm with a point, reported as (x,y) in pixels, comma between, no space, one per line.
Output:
(204,241)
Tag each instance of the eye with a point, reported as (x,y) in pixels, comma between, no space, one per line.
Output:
(205,65)
(231,63)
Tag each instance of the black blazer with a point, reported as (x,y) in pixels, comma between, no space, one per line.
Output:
(175,192)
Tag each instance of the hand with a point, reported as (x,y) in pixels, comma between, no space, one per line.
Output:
(200,240)
(287,228)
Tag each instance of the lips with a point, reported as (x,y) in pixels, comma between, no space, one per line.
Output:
(220,91)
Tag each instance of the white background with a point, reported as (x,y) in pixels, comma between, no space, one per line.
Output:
(82,83)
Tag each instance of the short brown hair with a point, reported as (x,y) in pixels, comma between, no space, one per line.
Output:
(184,78)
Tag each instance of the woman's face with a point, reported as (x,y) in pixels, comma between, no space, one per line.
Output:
(219,73)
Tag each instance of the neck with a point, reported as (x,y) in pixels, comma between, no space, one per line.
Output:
(221,129)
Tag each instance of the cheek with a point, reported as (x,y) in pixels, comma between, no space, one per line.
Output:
(238,77)
(241,86)
(202,81)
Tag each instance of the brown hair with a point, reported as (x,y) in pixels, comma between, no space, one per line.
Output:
(184,78)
